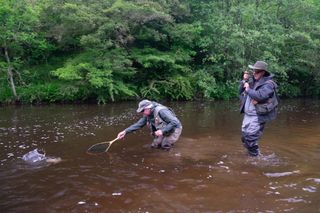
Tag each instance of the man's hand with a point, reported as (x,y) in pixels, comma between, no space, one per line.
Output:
(158,133)
(254,102)
(246,86)
(121,134)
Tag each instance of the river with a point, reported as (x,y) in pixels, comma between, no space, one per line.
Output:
(208,170)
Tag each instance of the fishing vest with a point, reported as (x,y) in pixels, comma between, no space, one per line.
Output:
(269,105)
(159,123)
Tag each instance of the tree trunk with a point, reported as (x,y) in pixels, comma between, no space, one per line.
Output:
(10,74)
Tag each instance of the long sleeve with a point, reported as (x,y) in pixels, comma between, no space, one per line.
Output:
(263,93)
(139,124)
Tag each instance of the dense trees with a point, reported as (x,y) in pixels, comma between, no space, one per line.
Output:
(74,50)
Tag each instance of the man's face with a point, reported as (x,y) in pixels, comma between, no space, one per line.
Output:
(257,74)
(146,112)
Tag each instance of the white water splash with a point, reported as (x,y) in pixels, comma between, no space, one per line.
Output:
(316,180)
(116,194)
(294,200)
(281,174)
(309,189)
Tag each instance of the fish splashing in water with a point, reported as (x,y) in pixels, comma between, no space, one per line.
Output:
(34,157)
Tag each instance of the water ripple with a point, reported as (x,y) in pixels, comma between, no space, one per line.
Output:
(281,174)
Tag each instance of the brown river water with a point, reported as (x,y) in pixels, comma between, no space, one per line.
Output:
(208,170)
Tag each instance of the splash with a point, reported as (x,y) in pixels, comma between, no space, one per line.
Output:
(265,160)
(34,156)
(316,180)
(294,200)
(309,189)
(281,174)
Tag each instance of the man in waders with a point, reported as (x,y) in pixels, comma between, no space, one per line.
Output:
(259,103)
(163,123)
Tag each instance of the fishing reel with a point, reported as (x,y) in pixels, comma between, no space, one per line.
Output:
(250,76)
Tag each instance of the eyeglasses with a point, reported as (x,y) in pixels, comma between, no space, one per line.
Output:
(257,71)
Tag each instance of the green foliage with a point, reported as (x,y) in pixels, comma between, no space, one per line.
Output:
(227,90)
(65,22)
(103,74)
(290,90)
(5,94)
(52,92)
(205,85)
(71,50)
(20,33)
(173,88)
(239,33)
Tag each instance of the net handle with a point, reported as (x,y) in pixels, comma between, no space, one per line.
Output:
(114,140)
(111,142)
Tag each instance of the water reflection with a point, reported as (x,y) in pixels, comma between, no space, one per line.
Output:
(206,171)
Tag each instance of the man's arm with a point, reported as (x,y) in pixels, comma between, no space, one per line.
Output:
(139,124)
(263,93)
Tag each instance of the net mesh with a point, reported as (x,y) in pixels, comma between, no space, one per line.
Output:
(98,148)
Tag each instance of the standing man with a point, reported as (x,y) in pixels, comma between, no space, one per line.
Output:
(163,123)
(259,103)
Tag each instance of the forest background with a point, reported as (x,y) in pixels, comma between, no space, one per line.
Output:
(66,51)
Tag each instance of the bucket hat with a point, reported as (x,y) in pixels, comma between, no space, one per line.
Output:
(144,104)
(260,65)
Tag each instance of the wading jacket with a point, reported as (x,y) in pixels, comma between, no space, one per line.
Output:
(262,92)
(161,117)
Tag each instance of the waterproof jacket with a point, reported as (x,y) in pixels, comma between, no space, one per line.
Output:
(161,117)
(260,91)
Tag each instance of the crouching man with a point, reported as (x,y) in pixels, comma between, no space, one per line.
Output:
(163,123)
